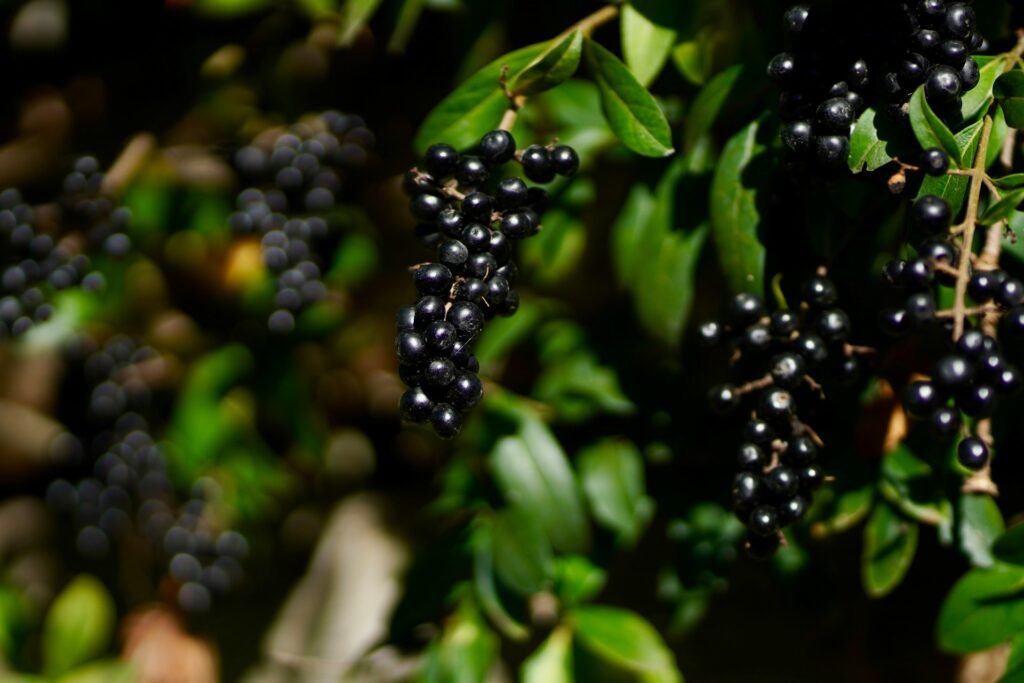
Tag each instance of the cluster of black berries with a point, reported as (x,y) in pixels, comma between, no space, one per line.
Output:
(975,374)
(293,181)
(124,488)
(775,355)
(472,218)
(41,250)
(848,56)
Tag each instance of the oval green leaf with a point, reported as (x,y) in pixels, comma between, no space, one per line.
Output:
(612,475)
(930,130)
(645,45)
(552,67)
(981,523)
(632,113)
(552,661)
(1009,92)
(735,218)
(1009,547)
(476,106)
(890,541)
(625,640)
(78,626)
(522,553)
(985,608)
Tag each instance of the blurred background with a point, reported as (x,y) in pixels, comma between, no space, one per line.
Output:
(200,481)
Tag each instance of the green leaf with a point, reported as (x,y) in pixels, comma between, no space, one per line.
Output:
(708,105)
(1009,547)
(628,233)
(504,334)
(846,511)
(908,484)
(354,15)
(625,640)
(78,626)
(867,151)
(735,218)
(671,273)
(930,130)
(577,579)
(482,542)
(1009,92)
(1009,182)
(632,112)
(532,471)
(953,188)
(645,45)
(1015,662)
(107,671)
(984,608)
(977,100)
(1002,209)
(981,523)
(466,650)
(552,67)
(227,9)
(890,542)
(522,553)
(612,475)
(476,106)
(694,58)
(577,386)
(552,661)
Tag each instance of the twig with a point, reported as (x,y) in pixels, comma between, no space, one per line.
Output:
(128,164)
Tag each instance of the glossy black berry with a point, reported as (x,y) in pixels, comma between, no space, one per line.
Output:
(783,324)
(812,348)
(1010,293)
(465,391)
(787,370)
(775,405)
(834,325)
(972,453)
(894,321)
(934,161)
(943,85)
(426,207)
(723,398)
(451,223)
(763,521)
(416,406)
(932,214)
(471,171)
(984,285)
(709,334)
(412,348)
(795,18)
(441,160)
(497,147)
(945,423)
(970,74)
(978,400)
(440,337)
(819,292)
(920,399)
(477,206)
(952,373)
(537,165)
(758,432)
(519,224)
(783,68)
(467,319)
(429,309)
(565,160)
(782,482)
(800,451)
(744,309)
(960,20)
(446,420)
(798,137)
(831,151)
(835,115)
(751,457)
(920,308)
(433,278)
(452,254)
(747,490)
(511,193)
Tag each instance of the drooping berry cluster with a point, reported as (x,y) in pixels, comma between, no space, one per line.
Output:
(472,218)
(847,56)
(44,251)
(974,374)
(775,355)
(294,181)
(124,488)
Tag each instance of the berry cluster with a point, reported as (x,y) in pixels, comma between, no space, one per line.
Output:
(125,489)
(776,355)
(849,56)
(40,249)
(294,180)
(974,374)
(472,218)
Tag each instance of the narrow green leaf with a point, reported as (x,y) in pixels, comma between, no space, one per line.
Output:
(930,130)
(1002,209)
(694,58)
(466,650)
(976,102)
(1015,662)
(354,15)
(645,45)
(981,523)
(552,67)
(1009,547)
(227,9)
(317,9)
(476,106)
(78,626)
(522,553)
(867,151)
(632,112)
(984,608)
(671,274)
(708,105)
(628,231)
(612,476)
(997,139)
(577,579)
(735,217)
(909,485)
(532,471)
(846,511)
(484,585)
(1009,182)
(625,640)
(1009,91)
(890,542)
(552,661)
(106,671)
(405,25)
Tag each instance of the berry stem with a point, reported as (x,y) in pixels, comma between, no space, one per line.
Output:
(128,164)
(968,225)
